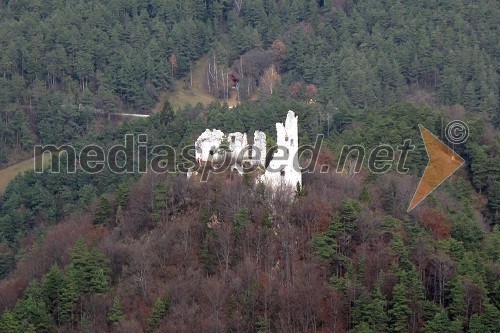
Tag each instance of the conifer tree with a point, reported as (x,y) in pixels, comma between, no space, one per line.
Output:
(32,311)
(349,214)
(70,295)
(400,310)
(442,324)
(160,308)
(9,323)
(241,219)
(103,212)
(89,268)
(160,194)
(52,289)
(376,316)
(115,313)
(122,197)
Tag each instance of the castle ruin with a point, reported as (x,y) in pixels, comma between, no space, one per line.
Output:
(283,169)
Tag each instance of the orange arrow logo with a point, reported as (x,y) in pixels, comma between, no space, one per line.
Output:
(443,162)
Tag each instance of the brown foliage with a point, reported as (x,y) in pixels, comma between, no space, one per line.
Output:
(436,222)
(54,248)
(296,90)
(10,290)
(299,91)
(261,276)
(314,213)
(279,49)
(172,60)
(312,90)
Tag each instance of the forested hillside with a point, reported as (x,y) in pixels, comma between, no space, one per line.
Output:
(158,253)
(117,55)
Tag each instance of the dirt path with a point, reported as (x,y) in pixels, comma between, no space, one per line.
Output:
(184,93)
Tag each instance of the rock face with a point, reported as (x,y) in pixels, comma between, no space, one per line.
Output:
(283,169)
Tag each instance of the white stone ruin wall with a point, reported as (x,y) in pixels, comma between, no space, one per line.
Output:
(259,146)
(208,141)
(237,141)
(211,140)
(283,169)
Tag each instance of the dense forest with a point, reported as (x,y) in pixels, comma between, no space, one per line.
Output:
(118,55)
(160,253)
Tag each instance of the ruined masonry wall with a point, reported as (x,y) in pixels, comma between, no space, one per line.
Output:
(283,168)
(208,141)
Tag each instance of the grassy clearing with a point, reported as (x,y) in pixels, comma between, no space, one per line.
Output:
(183,94)
(9,173)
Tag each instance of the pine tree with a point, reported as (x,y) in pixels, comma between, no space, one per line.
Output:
(89,268)
(375,312)
(99,281)
(166,113)
(400,310)
(369,311)
(32,310)
(105,100)
(103,212)
(349,214)
(325,244)
(470,99)
(241,219)
(115,313)
(401,251)
(451,86)
(479,165)
(364,196)
(442,324)
(86,194)
(7,260)
(490,318)
(494,202)
(9,323)
(52,289)
(70,295)
(487,322)
(476,325)
(159,210)
(122,197)
(362,328)
(160,308)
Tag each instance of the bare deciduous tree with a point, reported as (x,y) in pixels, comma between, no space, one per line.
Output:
(269,80)
(173,63)
(141,268)
(237,6)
